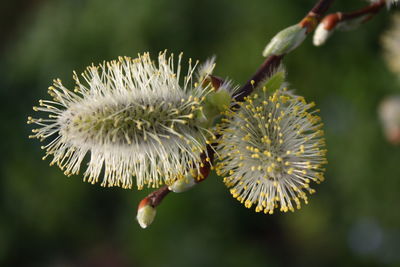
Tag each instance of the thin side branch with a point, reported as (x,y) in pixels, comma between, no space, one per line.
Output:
(332,20)
(369,10)
(265,70)
(154,199)
(321,7)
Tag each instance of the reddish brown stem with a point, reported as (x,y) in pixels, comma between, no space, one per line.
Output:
(313,17)
(330,21)
(154,199)
(265,70)
(206,160)
(321,7)
(371,9)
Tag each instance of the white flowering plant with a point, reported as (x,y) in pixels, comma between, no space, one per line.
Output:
(133,118)
(140,122)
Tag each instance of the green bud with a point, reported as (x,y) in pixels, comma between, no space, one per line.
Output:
(214,104)
(275,81)
(220,99)
(145,215)
(285,41)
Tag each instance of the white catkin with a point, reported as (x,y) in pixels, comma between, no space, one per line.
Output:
(270,150)
(130,118)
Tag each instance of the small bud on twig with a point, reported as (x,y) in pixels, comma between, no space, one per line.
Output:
(285,41)
(146,213)
(325,29)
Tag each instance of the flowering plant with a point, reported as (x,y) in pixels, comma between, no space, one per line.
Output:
(141,123)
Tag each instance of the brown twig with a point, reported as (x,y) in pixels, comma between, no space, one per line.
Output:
(266,68)
(310,21)
(155,198)
(206,161)
(332,20)
(321,7)
(371,9)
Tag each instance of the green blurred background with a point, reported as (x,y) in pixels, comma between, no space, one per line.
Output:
(50,220)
